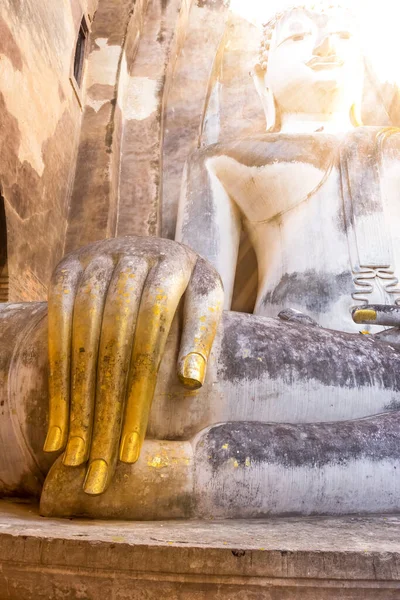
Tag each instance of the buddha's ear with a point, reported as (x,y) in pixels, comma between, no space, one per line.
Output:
(266,96)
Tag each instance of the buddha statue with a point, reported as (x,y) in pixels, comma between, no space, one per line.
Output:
(163,402)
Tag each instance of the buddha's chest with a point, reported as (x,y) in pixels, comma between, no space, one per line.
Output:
(265,192)
(323,244)
(320,208)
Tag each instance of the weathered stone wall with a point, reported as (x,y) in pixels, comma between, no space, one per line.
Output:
(134,48)
(94,203)
(39,124)
(148,79)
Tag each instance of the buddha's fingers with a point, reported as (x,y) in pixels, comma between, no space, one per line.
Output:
(203,307)
(60,309)
(119,320)
(161,296)
(378,314)
(88,313)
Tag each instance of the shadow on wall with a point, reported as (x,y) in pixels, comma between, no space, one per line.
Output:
(3,253)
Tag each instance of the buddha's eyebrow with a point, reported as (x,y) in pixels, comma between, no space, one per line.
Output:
(305,29)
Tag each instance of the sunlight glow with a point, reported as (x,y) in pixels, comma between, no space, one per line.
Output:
(379,26)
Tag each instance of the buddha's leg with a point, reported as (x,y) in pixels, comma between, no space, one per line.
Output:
(252,469)
(268,370)
(247,470)
(261,370)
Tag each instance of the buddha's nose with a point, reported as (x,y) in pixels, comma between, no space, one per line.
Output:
(325,46)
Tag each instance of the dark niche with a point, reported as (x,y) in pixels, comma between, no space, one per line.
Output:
(3,253)
(80,52)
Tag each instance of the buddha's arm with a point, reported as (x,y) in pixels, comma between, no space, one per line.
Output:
(208,220)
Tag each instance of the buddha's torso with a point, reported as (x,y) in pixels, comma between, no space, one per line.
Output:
(323,214)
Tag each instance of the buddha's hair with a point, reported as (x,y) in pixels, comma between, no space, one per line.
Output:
(269,27)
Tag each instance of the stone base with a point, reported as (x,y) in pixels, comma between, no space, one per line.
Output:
(281,559)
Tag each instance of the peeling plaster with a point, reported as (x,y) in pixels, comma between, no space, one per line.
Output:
(103,63)
(41,123)
(95,104)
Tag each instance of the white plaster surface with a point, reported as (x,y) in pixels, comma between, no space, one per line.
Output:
(103,63)
(95,104)
(141,98)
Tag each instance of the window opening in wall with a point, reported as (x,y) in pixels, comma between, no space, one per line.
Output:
(80,50)
(3,253)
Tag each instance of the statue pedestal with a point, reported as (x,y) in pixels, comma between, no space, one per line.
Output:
(279,559)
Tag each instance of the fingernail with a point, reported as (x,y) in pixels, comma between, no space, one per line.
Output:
(75,453)
(53,439)
(364,314)
(192,371)
(96,477)
(130,448)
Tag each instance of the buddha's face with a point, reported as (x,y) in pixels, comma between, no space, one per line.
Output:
(315,63)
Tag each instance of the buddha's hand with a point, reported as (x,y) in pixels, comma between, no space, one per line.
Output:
(111,306)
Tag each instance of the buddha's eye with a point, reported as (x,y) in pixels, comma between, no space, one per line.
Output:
(298,37)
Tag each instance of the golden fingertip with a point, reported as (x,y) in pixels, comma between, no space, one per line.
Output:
(75,453)
(54,439)
(364,314)
(192,371)
(96,477)
(130,448)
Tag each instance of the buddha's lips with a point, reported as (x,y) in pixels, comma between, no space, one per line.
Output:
(331,62)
